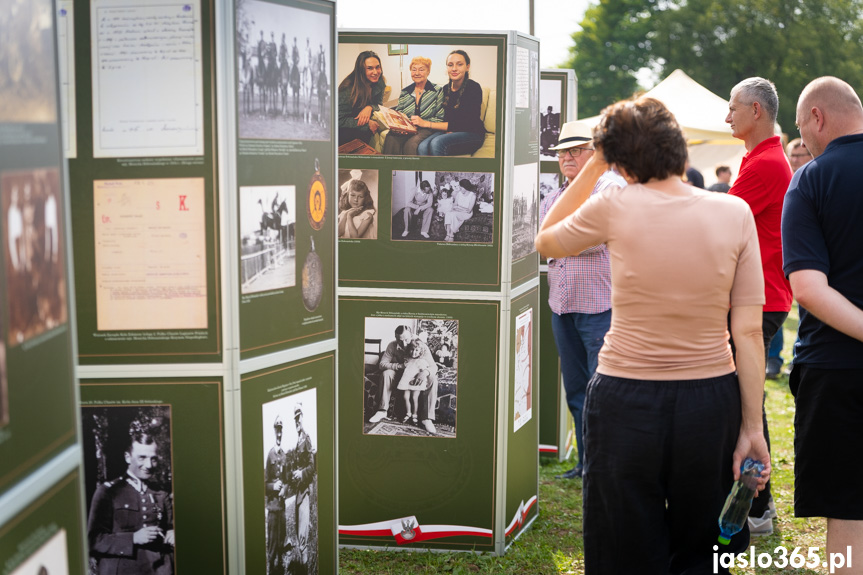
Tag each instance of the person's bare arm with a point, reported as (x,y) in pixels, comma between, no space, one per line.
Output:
(749,342)
(812,291)
(571,199)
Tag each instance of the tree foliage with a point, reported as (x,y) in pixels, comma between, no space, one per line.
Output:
(718,43)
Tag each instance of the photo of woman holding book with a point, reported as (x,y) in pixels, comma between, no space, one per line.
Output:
(360,94)
(421,101)
(462,130)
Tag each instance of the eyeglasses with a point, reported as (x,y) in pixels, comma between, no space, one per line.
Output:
(574,152)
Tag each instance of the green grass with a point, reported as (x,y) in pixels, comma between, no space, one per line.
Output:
(553,544)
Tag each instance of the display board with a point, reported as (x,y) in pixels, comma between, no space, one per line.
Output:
(557,106)
(556,427)
(285,166)
(156,447)
(400,481)
(452,240)
(143,172)
(522,468)
(525,183)
(35,330)
(288,454)
(557,99)
(47,537)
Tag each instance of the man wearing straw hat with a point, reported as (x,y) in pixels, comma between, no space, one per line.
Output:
(579,288)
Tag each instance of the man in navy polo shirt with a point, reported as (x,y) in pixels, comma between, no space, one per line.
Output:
(822,233)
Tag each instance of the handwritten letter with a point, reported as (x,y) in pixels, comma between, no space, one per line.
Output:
(147,79)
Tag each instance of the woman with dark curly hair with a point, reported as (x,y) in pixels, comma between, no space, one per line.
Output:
(668,420)
(360,94)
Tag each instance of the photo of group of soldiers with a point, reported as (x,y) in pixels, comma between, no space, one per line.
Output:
(283,83)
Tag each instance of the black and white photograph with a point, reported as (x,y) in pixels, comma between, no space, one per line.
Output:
(35,266)
(548,184)
(461,124)
(525,211)
(51,558)
(358,204)
(410,377)
(549,121)
(129,488)
(27,85)
(290,427)
(268,252)
(443,206)
(283,67)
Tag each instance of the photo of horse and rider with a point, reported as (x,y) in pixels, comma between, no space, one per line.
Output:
(268,252)
(283,86)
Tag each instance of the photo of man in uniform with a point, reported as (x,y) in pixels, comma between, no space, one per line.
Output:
(302,476)
(274,474)
(131,525)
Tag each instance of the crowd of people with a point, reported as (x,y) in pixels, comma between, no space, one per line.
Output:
(665,298)
(447,118)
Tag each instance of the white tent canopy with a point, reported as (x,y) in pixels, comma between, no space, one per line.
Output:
(701,114)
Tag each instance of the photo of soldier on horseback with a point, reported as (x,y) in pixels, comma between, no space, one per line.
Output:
(293,99)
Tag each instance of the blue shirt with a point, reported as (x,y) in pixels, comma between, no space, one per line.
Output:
(822,229)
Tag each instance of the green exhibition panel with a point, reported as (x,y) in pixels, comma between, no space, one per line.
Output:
(399,483)
(288,436)
(387,253)
(36,329)
(525,183)
(285,173)
(556,431)
(523,417)
(182,422)
(557,97)
(47,537)
(143,178)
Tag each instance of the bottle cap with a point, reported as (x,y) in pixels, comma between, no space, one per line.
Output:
(724,540)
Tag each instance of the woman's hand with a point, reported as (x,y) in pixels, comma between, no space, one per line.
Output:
(598,158)
(364,115)
(373,126)
(417,121)
(751,443)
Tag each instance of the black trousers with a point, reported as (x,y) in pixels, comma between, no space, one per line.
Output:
(657,471)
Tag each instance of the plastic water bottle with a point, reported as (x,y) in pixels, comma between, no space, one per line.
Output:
(736,508)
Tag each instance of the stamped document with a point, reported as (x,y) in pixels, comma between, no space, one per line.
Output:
(147,78)
(150,254)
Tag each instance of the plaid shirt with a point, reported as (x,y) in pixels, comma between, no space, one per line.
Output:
(582,283)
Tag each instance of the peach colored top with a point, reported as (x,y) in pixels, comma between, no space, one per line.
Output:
(678,261)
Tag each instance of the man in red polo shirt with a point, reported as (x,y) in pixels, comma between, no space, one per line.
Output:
(762,181)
